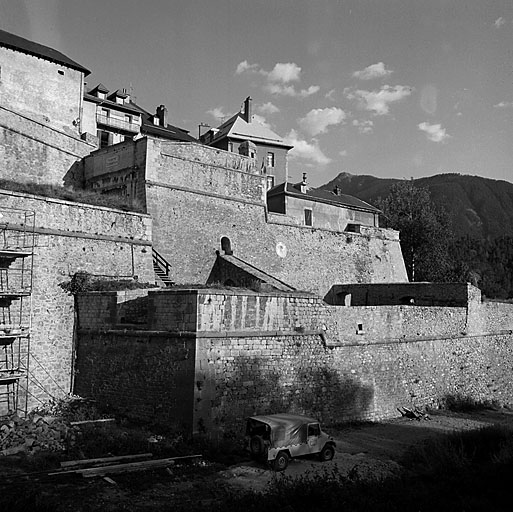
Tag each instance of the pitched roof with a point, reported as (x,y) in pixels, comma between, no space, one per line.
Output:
(322,196)
(23,45)
(167,132)
(238,128)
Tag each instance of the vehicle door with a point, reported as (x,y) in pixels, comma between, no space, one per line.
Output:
(312,437)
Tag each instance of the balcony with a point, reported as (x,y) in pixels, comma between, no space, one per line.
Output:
(120,124)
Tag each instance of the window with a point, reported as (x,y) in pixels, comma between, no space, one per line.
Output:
(314,429)
(270,182)
(105,139)
(230,147)
(270,160)
(128,119)
(308,216)
(61,72)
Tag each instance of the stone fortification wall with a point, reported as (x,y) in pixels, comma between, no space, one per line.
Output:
(195,201)
(69,238)
(270,352)
(419,294)
(34,151)
(47,91)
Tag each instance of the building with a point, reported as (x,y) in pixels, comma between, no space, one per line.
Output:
(242,134)
(41,105)
(41,82)
(321,208)
(113,117)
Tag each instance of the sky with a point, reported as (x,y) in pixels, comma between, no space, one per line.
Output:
(391,88)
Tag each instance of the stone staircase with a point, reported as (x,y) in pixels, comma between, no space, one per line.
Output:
(162,268)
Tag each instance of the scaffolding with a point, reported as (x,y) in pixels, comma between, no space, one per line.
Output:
(17,240)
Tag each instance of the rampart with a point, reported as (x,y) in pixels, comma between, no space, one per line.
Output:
(196,195)
(70,238)
(240,353)
(34,151)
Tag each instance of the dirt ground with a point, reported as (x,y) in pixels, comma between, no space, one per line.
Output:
(367,450)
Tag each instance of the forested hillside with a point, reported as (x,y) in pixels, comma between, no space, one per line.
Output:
(478,207)
(480,211)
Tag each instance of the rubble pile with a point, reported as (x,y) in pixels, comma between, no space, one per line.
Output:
(35,433)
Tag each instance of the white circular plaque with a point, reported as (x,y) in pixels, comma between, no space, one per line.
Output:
(281,249)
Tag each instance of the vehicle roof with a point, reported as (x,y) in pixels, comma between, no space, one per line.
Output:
(284,419)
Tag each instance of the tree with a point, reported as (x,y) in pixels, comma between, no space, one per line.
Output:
(425,232)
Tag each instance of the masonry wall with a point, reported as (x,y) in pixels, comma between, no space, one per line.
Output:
(34,151)
(72,237)
(195,200)
(49,92)
(326,216)
(271,352)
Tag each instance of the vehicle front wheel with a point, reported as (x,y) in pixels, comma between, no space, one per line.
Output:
(327,453)
(281,462)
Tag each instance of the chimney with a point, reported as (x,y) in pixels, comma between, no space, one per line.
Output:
(247,109)
(337,190)
(303,187)
(162,115)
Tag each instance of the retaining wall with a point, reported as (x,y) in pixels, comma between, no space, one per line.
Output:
(259,353)
(70,238)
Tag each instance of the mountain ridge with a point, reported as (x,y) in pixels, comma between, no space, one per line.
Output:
(479,207)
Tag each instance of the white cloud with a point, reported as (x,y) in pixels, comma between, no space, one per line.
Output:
(246,66)
(499,22)
(329,95)
(504,104)
(343,152)
(303,93)
(318,119)
(373,71)
(434,132)
(364,126)
(217,112)
(379,101)
(268,108)
(285,72)
(290,90)
(279,78)
(306,150)
(261,120)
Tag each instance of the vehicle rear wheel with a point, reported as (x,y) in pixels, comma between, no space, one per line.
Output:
(327,453)
(256,445)
(281,461)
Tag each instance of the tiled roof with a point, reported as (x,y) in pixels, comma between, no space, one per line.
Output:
(169,132)
(15,42)
(322,196)
(125,107)
(238,128)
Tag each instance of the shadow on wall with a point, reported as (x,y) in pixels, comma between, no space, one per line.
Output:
(249,386)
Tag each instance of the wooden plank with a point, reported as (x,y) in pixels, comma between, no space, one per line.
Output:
(134,466)
(104,460)
(92,422)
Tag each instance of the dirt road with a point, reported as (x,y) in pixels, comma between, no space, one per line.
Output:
(369,450)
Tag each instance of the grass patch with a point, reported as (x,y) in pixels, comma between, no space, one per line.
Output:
(467,471)
(70,194)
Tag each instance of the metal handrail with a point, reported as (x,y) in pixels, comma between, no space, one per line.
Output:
(162,263)
(117,123)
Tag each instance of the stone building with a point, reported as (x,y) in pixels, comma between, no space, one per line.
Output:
(321,208)
(113,117)
(41,103)
(242,134)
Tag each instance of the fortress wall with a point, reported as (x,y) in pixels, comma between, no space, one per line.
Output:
(188,228)
(49,91)
(33,151)
(145,376)
(266,353)
(71,238)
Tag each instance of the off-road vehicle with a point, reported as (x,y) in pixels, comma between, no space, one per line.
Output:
(277,438)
